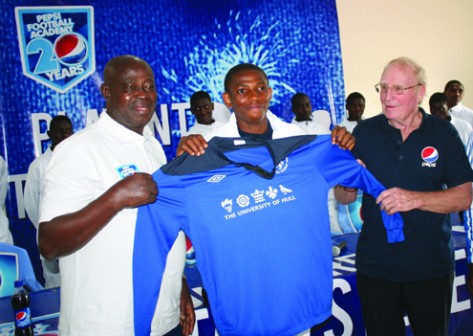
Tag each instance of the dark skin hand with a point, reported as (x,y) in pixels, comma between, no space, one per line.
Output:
(82,225)
(195,144)
(343,138)
(187,321)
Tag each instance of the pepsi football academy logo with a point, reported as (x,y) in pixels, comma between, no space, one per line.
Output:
(56,44)
(127,170)
(430,156)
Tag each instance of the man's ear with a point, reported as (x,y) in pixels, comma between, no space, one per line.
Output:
(226,100)
(421,94)
(105,91)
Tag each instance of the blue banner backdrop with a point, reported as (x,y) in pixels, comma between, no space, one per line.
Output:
(189,44)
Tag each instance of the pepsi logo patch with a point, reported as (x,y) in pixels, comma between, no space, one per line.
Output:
(21,316)
(57,45)
(71,49)
(430,156)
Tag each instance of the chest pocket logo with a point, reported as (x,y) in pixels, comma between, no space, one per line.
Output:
(430,156)
(127,170)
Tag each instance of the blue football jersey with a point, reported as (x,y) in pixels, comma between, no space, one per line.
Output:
(256,213)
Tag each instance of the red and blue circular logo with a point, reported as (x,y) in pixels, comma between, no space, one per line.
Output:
(430,154)
(70,49)
(21,316)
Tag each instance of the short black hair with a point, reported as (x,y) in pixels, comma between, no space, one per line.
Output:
(452,82)
(353,96)
(199,95)
(57,120)
(297,96)
(238,68)
(438,97)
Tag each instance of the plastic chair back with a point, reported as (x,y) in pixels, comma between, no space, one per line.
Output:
(15,264)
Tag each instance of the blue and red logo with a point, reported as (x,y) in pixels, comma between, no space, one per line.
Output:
(429,155)
(190,253)
(56,44)
(22,316)
(71,49)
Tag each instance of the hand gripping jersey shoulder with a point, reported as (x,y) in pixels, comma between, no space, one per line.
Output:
(257,215)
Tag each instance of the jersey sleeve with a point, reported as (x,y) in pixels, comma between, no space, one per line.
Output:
(157,227)
(340,167)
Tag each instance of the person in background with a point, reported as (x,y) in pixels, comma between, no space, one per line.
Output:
(5,234)
(60,128)
(439,107)
(402,147)
(355,105)
(455,92)
(202,108)
(304,117)
(302,109)
(92,187)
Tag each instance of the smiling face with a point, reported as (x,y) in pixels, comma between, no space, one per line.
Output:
(130,92)
(399,108)
(249,94)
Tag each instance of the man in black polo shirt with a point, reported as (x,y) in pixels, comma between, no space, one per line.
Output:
(422,162)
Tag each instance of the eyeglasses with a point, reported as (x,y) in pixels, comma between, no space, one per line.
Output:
(395,89)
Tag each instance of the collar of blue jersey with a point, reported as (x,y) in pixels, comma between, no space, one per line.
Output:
(227,150)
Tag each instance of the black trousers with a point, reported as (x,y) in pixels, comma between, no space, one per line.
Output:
(426,302)
(175,332)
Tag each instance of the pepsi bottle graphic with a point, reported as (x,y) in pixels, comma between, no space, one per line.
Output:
(21,307)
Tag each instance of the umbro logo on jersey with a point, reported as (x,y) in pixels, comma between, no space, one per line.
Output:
(216,178)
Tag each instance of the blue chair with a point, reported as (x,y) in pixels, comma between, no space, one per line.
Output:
(15,264)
